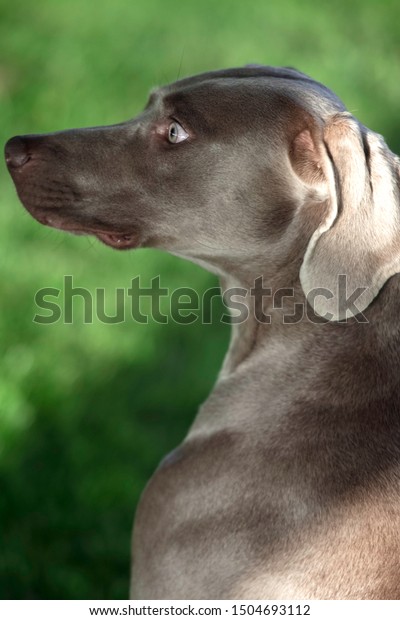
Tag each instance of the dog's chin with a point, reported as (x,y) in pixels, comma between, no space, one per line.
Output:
(119,240)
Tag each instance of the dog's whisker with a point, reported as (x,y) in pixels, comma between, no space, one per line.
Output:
(180,63)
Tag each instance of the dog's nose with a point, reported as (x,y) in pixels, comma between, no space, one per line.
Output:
(16,152)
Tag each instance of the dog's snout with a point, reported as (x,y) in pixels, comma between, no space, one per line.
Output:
(17,152)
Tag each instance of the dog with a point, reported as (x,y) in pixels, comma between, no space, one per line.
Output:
(287,485)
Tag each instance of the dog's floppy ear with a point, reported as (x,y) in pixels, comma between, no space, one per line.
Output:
(356,247)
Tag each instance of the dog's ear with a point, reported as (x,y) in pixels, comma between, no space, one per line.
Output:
(356,247)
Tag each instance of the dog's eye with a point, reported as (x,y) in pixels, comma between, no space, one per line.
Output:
(176,133)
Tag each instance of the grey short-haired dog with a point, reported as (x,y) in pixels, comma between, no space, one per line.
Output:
(288,483)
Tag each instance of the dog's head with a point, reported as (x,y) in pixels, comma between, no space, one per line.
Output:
(242,170)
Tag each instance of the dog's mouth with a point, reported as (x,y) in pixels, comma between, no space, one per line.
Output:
(34,165)
(119,241)
(116,239)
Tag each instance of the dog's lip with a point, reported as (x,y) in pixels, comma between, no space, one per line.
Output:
(120,240)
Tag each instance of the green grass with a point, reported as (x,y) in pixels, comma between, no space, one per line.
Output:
(86,411)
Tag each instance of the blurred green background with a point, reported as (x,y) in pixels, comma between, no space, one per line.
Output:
(87,411)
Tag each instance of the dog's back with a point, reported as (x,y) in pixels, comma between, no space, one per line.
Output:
(288,484)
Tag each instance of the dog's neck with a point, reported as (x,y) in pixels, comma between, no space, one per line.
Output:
(283,316)
(263,355)
(269,310)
